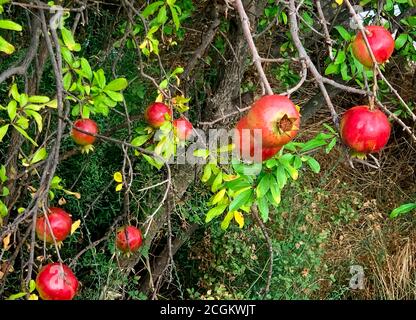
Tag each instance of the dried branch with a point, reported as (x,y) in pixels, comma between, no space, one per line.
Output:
(247,34)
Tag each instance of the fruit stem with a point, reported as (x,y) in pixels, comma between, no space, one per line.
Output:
(375,88)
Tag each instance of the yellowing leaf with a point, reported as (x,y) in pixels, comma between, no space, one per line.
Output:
(33,297)
(339,2)
(75,226)
(6,242)
(119,187)
(118,177)
(239,218)
(75,194)
(218,197)
(159,98)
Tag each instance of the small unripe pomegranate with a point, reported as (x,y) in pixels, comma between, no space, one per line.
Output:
(60,222)
(129,239)
(86,125)
(56,281)
(277,117)
(182,128)
(156,114)
(364,130)
(381,43)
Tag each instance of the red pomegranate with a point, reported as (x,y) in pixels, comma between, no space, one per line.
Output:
(277,117)
(365,130)
(129,239)
(60,222)
(182,128)
(155,114)
(86,125)
(246,145)
(56,281)
(381,43)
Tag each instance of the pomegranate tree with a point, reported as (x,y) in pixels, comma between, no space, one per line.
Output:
(247,145)
(277,117)
(364,130)
(182,128)
(56,281)
(129,239)
(381,43)
(157,113)
(60,224)
(86,125)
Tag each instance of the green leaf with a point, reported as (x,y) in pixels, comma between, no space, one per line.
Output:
(67,55)
(313,164)
(5,192)
(99,77)
(400,41)
(175,17)
(201,153)
(215,212)
(344,72)
(117,84)
(67,81)
(404,208)
(23,123)
(330,145)
(151,8)
(11,109)
(275,191)
(162,15)
(207,173)
(263,186)
(86,68)
(39,99)
(16,296)
(14,92)
(263,205)
(10,25)
(332,68)
(140,140)
(39,155)
(3,131)
(5,46)
(312,144)
(226,221)
(217,182)
(116,96)
(156,163)
(24,134)
(344,33)
(281,176)
(237,184)
(340,58)
(38,118)
(32,285)
(3,209)
(3,175)
(241,200)
(69,41)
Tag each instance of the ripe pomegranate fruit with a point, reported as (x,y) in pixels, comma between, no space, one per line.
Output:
(277,117)
(60,222)
(56,282)
(182,128)
(87,125)
(365,130)
(155,114)
(246,144)
(381,43)
(129,239)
